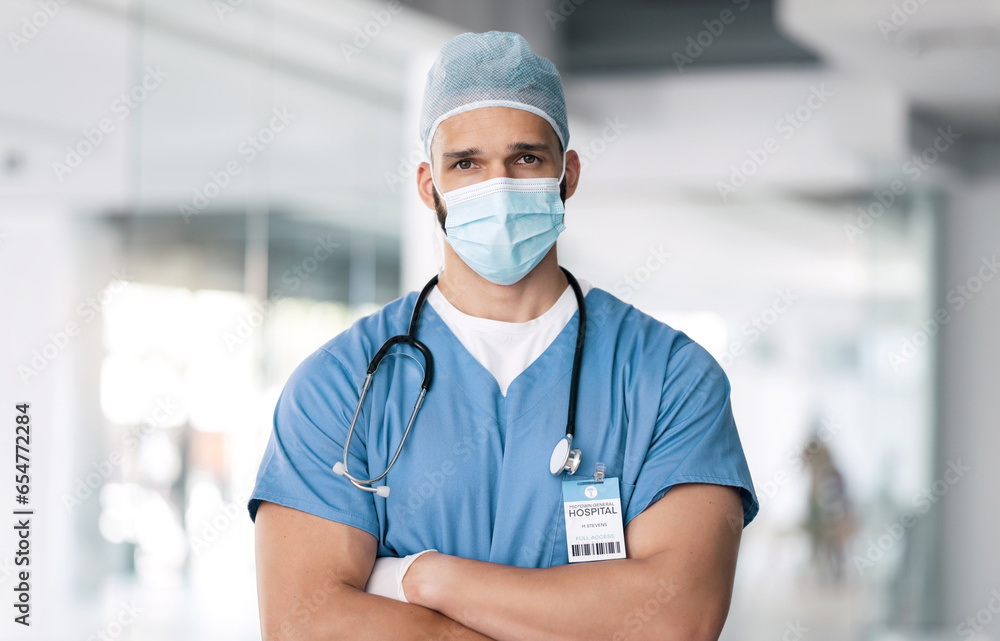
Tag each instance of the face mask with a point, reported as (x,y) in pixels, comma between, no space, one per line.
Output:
(502,228)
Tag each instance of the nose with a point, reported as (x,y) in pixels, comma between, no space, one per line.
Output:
(497,169)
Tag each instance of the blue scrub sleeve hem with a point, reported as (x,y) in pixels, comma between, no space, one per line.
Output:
(322,511)
(750,504)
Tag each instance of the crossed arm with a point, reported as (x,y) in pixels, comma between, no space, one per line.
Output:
(676,583)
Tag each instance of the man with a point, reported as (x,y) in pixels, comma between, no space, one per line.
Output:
(473,541)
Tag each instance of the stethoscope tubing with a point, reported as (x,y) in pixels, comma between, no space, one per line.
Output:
(581,332)
(410,339)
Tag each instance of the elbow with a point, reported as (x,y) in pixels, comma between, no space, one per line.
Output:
(308,630)
(273,635)
(703,623)
(703,630)
(309,620)
(691,620)
(288,627)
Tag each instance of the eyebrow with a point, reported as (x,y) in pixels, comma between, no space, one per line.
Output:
(464,153)
(513,147)
(530,146)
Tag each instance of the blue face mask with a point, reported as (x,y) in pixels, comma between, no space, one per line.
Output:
(502,228)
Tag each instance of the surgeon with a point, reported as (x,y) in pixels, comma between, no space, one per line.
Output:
(486,533)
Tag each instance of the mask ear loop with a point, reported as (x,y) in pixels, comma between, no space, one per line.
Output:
(565,154)
(430,163)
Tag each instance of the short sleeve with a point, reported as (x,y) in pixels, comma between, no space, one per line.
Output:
(695,438)
(311,420)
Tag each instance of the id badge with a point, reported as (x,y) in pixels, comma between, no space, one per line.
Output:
(593,510)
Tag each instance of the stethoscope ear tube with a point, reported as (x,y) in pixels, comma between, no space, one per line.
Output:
(428,365)
(405,339)
(567,458)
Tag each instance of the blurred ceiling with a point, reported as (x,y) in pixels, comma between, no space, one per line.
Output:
(655,35)
(227,72)
(598,36)
(944,57)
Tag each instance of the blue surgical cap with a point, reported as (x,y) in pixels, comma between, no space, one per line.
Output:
(495,69)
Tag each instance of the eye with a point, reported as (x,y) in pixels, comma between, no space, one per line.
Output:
(529,159)
(464,164)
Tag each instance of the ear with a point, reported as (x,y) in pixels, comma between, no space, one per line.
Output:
(425,185)
(572,172)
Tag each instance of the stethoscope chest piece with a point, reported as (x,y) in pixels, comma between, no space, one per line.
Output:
(564,457)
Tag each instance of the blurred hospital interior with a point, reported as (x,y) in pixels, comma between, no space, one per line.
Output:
(197,194)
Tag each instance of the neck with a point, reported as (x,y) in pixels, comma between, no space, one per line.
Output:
(525,300)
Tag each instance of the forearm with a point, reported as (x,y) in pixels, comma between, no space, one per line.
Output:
(344,612)
(311,576)
(620,599)
(676,583)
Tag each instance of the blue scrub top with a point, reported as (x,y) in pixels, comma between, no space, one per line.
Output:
(473,478)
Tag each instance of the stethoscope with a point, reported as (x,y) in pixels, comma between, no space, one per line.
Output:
(564,458)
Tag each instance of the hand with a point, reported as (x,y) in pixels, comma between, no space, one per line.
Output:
(418,579)
(387,576)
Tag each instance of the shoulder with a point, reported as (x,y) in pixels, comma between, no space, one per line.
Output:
(643,335)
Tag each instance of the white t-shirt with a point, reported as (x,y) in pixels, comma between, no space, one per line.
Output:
(507,349)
